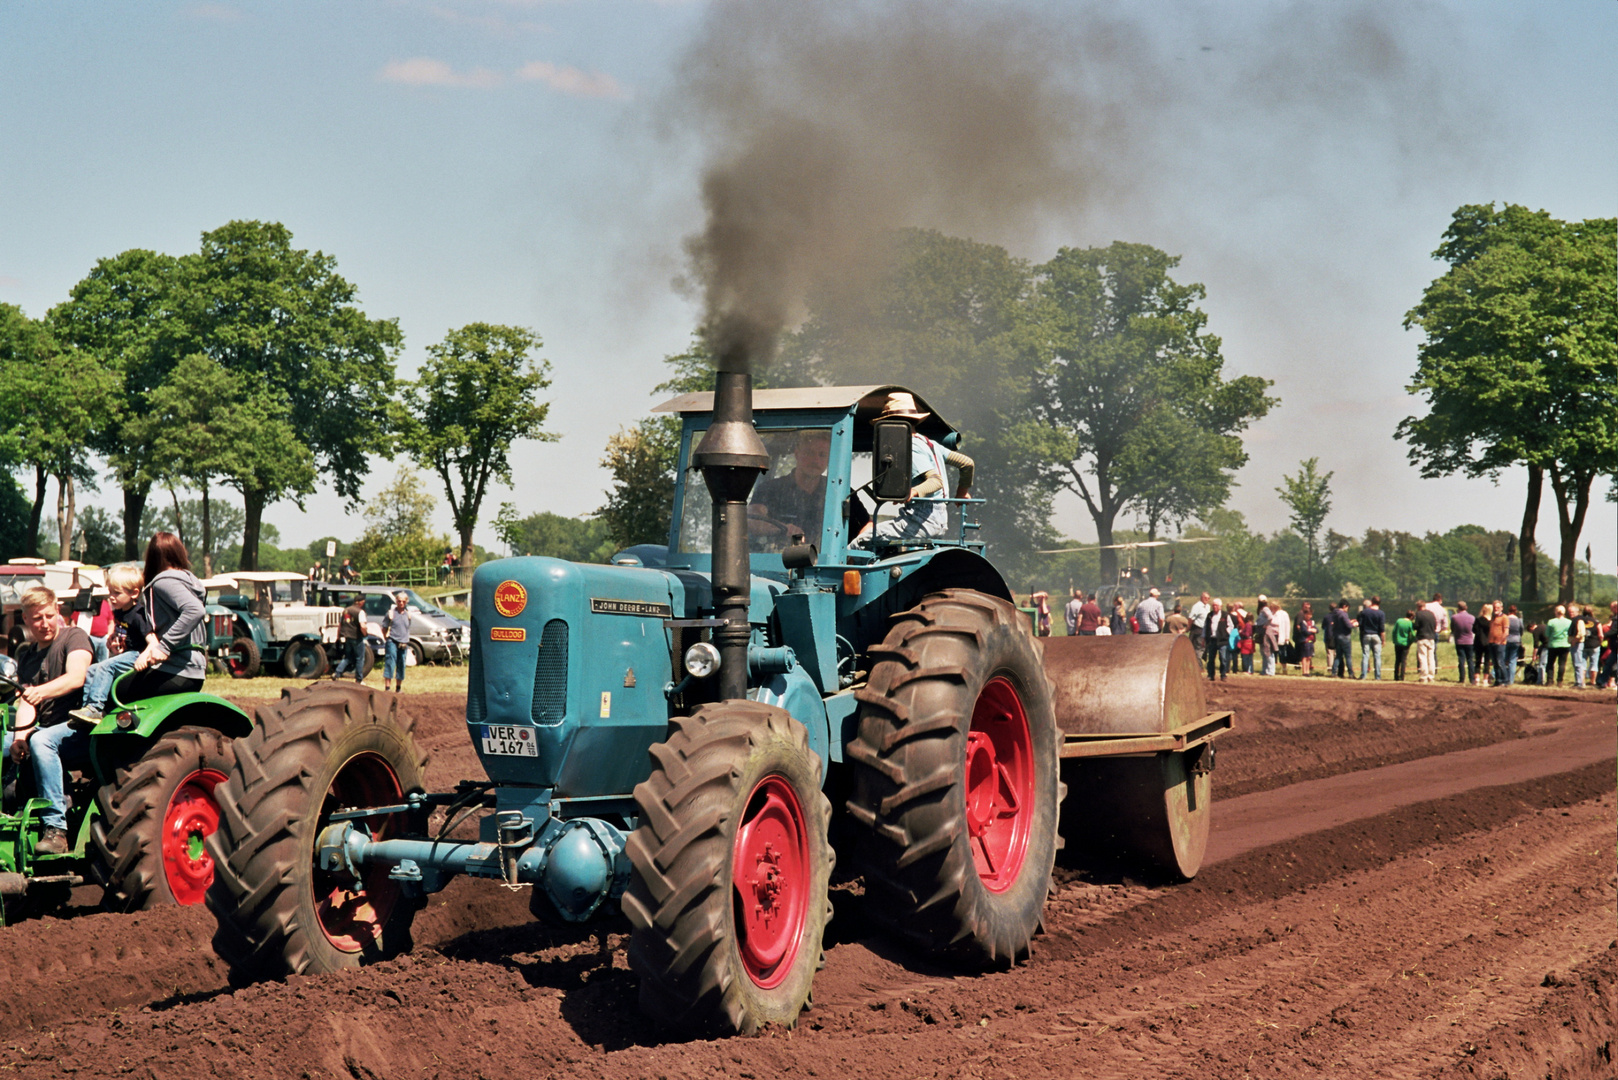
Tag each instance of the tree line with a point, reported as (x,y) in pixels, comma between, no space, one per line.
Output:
(246,365)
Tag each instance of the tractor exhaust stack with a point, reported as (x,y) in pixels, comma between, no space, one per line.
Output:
(731,457)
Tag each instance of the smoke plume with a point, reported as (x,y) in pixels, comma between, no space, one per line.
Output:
(829,124)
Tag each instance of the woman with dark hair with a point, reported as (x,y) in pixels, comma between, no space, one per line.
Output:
(175,658)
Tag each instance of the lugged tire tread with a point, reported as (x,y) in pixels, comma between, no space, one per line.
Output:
(676,901)
(906,758)
(126,842)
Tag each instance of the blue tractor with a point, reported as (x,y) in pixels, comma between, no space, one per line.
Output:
(683,733)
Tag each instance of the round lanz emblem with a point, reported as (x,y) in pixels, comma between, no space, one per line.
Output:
(510,598)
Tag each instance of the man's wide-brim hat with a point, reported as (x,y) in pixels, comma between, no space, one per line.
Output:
(902,406)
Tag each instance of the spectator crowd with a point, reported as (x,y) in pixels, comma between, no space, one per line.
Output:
(1494,646)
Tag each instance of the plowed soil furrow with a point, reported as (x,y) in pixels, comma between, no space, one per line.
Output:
(1401,934)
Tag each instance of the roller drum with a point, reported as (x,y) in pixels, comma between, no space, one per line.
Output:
(1149,811)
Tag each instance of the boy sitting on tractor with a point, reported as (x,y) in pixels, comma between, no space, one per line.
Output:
(124,644)
(52,669)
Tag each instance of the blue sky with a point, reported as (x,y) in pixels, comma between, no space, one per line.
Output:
(511,161)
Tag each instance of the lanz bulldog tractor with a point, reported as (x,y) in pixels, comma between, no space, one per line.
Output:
(676,733)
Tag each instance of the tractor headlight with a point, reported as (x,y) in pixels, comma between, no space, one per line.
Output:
(701,660)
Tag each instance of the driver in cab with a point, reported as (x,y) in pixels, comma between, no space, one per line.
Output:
(789,509)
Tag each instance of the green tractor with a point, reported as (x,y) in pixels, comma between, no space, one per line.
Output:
(141,812)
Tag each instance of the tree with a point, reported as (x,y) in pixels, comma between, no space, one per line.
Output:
(13,518)
(572,539)
(947,317)
(397,527)
(473,398)
(1122,348)
(204,423)
(1178,474)
(1519,364)
(643,457)
(183,517)
(129,313)
(52,401)
(1308,497)
(283,318)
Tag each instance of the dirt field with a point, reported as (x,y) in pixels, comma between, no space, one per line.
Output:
(1403,882)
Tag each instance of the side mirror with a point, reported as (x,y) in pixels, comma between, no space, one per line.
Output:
(890,465)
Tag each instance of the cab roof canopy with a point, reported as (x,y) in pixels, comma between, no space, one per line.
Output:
(866,401)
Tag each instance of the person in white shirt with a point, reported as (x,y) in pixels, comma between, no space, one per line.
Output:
(1277,632)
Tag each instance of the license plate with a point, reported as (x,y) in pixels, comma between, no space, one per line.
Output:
(509,740)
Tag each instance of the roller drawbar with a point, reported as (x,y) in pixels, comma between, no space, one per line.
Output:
(1137,749)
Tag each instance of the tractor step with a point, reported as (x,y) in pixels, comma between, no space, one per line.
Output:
(1111,744)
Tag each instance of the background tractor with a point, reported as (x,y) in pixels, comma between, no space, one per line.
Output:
(140,816)
(682,733)
(274,624)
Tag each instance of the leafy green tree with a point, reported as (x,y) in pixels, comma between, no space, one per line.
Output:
(474,397)
(14,511)
(207,423)
(183,517)
(573,539)
(1519,364)
(1308,498)
(398,527)
(100,536)
(947,317)
(643,457)
(52,401)
(1122,347)
(283,318)
(129,313)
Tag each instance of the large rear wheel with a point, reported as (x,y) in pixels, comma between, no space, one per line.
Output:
(303,660)
(731,865)
(150,843)
(310,754)
(955,779)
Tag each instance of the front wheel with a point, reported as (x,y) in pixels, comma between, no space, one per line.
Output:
(150,843)
(731,866)
(310,754)
(955,779)
(303,660)
(243,661)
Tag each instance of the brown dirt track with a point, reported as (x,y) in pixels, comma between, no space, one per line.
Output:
(1453,916)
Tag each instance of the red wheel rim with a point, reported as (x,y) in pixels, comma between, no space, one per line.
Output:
(236,662)
(352,919)
(770,881)
(189,819)
(999,784)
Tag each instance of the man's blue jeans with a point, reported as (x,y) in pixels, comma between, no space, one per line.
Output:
(1508,662)
(1578,665)
(99,679)
(52,751)
(393,661)
(1343,662)
(1464,660)
(1371,655)
(353,659)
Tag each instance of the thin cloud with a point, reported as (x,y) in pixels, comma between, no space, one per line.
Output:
(9,282)
(425,71)
(571,81)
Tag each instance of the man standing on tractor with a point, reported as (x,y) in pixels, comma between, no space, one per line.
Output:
(920,516)
(52,669)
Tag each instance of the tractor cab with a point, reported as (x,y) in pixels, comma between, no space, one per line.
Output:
(820,486)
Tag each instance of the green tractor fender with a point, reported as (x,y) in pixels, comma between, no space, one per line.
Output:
(126,731)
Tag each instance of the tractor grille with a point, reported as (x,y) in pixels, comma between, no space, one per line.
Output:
(221,625)
(550,675)
(476,706)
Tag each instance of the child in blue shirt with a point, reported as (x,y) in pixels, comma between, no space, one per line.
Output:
(124,643)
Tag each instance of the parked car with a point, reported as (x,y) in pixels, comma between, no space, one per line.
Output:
(435,635)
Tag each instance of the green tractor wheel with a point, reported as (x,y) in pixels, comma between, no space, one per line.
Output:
(149,845)
(731,866)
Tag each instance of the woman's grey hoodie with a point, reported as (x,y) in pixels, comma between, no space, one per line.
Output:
(174,604)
